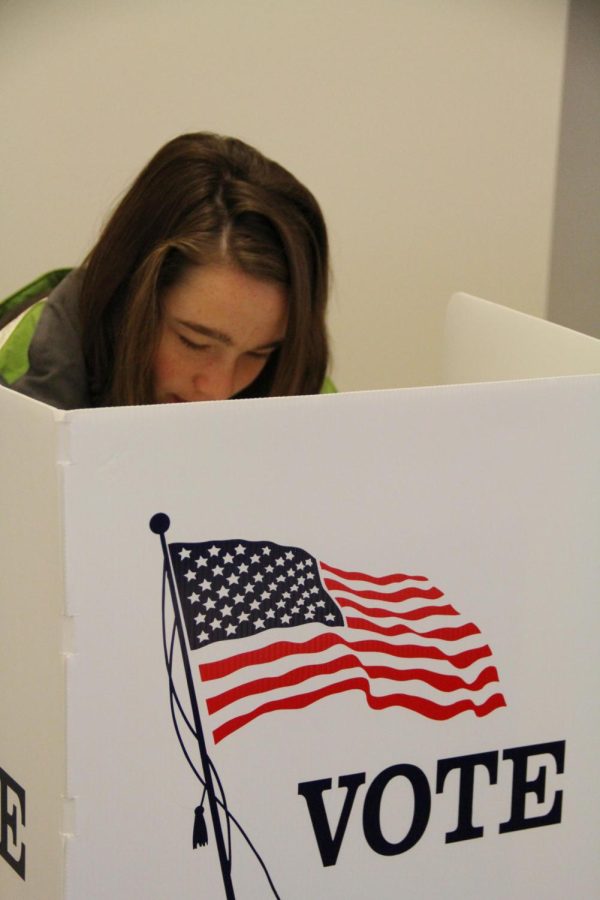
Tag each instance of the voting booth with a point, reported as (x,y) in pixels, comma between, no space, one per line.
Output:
(341,646)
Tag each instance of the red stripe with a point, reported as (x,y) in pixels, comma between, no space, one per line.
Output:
(372,579)
(443,634)
(377,612)
(445,683)
(412,615)
(281,649)
(427,708)
(401,595)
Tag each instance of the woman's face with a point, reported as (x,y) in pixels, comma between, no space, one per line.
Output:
(219,327)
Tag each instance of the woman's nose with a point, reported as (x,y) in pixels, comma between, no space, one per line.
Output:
(216,382)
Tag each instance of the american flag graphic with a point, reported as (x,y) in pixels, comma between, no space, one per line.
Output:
(270,627)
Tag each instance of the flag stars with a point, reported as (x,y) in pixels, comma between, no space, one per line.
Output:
(242,590)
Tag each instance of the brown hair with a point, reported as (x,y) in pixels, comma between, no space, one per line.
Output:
(203,199)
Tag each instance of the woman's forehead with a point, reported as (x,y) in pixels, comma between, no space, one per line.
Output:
(223,302)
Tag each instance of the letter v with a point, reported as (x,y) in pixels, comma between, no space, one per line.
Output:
(312,791)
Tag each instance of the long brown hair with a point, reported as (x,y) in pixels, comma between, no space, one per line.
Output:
(204,199)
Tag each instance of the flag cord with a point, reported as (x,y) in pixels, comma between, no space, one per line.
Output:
(176,702)
(159,524)
(173,696)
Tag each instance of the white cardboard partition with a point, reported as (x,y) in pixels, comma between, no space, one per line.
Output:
(484,341)
(436,736)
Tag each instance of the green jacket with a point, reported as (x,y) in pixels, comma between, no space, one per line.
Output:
(40,346)
(40,343)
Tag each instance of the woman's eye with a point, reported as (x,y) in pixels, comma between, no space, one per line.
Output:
(260,354)
(187,343)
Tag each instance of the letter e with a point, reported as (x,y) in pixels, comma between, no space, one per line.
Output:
(521,786)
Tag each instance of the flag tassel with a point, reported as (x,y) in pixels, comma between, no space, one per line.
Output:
(200,838)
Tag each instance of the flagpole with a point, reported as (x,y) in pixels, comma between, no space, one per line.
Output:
(159,524)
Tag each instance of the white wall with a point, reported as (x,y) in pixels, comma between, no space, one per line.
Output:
(428,129)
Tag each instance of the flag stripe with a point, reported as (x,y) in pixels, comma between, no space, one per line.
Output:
(413,615)
(400,595)
(425,707)
(440,682)
(378,612)
(372,579)
(442,634)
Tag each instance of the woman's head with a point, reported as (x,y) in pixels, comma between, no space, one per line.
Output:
(206,201)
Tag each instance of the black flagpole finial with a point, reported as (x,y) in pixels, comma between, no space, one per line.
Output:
(159,523)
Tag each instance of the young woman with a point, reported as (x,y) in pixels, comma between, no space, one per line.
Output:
(208,282)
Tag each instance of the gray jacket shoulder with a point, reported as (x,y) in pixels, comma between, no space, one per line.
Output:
(56,373)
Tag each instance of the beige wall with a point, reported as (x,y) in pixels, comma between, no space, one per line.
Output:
(427,128)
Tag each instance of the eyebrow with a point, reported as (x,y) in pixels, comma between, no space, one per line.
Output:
(221,336)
